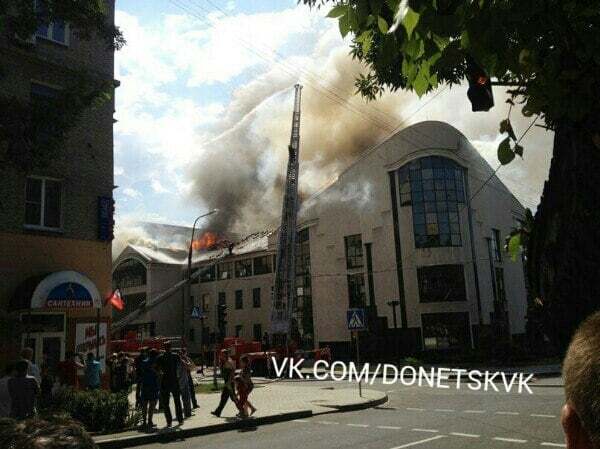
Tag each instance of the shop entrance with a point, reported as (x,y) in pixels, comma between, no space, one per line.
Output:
(46,337)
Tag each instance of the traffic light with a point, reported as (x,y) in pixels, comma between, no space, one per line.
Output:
(480,87)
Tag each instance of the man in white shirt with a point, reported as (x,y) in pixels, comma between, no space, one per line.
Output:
(33,370)
(4,394)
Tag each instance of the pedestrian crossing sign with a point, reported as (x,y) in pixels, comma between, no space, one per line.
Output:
(197,313)
(356,319)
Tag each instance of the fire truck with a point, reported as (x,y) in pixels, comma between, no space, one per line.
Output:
(132,344)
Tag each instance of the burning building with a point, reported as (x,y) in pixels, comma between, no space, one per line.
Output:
(411,232)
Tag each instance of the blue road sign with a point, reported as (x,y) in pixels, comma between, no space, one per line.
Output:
(356,319)
(197,313)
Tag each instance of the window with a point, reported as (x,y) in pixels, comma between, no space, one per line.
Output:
(208,274)
(356,290)
(243,268)
(205,302)
(56,31)
(238,330)
(434,187)
(445,330)
(354,252)
(496,250)
(500,291)
(256,297)
(225,270)
(239,299)
(192,334)
(441,283)
(263,265)
(43,203)
(257,332)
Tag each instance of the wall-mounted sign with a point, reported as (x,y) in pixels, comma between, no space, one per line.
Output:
(66,290)
(87,341)
(69,295)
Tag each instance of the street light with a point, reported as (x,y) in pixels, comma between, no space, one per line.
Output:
(393,304)
(188,295)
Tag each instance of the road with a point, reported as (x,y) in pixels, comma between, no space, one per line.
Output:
(426,418)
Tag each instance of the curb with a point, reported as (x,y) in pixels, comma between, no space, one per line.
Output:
(138,440)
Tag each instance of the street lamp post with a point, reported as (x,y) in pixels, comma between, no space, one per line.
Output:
(187,297)
(393,304)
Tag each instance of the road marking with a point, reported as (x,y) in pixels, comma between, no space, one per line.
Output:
(466,435)
(389,427)
(328,423)
(510,440)
(553,444)
(507,413)
(357,425)
(426,440)
(447,410)
(300,420)
(391,391)
(415,409)
(474,411)
(536,415)
(425,430)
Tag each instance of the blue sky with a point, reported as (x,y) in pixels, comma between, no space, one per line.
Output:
(204,110)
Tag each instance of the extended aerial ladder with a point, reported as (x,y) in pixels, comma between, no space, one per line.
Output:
(284,307)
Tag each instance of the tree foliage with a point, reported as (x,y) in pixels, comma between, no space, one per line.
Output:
(549,51)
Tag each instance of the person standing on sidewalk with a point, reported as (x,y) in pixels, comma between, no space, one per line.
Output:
(32,369)
(184,387)
(228,392)
(245,388)
(149,387)
(169,385)
(143,355)
(189,365)
(23,390)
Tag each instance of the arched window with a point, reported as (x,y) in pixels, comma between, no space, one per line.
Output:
(129,273)
(434,187)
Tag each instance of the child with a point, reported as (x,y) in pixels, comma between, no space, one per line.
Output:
(244,386)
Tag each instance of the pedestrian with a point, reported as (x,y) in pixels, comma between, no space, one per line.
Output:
(265,341)
(184,385)
(143,355)
(92,372)
(68,369)
(111,365)
(121,372)
(169,384)
(228,392)
(46,386)
(244,388)
(23,390)
(9,372)
(189,365)
(32,370)
(149,387)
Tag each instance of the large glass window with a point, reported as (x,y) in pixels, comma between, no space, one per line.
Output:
(239,299)
(445,330)
(356,290)
(129,273)
(441,283)
(56,31)
(225,270)
(43,203)
(256,297)
(496,245)
(243,268)
(263,265)
(434,187)
(208,274)
(354,251)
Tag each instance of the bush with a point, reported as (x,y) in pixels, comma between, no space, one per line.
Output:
(53,433)
(98,410)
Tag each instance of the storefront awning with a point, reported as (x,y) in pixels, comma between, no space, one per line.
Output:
(60,290)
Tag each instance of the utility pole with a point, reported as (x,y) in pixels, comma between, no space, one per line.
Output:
(393,304)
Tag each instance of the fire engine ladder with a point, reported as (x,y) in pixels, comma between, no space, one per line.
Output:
(284,291)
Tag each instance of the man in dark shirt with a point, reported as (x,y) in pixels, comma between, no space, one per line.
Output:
(23,390)
(167,363)
(228,392)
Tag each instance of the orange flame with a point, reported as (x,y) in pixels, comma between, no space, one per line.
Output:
(206,241)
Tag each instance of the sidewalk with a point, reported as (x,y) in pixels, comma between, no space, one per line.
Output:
(275,402)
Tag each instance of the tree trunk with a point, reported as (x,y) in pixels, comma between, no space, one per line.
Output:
(564,250)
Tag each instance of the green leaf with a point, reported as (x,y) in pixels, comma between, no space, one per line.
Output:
(344,25)
(414,48)
(421,83)
(393,5)
(514,246)
(506,127)
(411,19)
(337,11)
(505,154)
(524,56)
(464,40)
(382,24)
(370,20)
(518,150)
(441,42)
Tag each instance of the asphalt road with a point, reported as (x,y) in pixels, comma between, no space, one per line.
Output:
(426,418)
